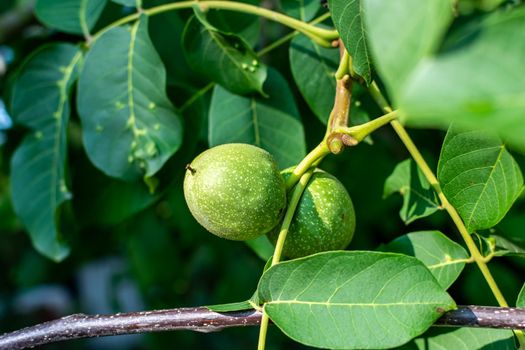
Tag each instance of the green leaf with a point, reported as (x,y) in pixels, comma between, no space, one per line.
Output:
(305,10)
(222,57)
(262,247)
(40,101)
(402,33)
(231,307)
(466,339)
(272,123)
(477,82)
(442,256)
(479,176)
(502,246)
(130,128)
(419,198)
(349,22)
(313,69)
(353,300)
(521,298)
(130,3)
(70,16)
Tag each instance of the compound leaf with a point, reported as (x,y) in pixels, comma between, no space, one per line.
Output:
(130,128)
(40,101)
(353,300)
(479,176)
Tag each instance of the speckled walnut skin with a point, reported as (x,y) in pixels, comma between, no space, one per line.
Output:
(324,219)
(235,191)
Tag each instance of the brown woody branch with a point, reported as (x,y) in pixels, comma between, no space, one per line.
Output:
(201,319)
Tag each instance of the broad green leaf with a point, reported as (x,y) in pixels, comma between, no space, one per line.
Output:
(401,33)
(71,16)
(313,69)
(262,247)
(353,300)
(130,128)
(419,198)
(272,123)
(222,57)
(521,298)
(40,101)
(305,10)
(348,19)
(239,306)
(442,256)
(475,85)
(479,176)
(466,339)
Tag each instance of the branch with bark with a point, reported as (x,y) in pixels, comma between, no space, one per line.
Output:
(201,319)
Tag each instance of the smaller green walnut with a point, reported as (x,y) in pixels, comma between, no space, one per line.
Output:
(324,219)
(235,191)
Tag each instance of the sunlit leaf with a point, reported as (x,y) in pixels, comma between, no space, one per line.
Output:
(353,300)
(40,101)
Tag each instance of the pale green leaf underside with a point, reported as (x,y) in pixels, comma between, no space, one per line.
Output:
(466,339)
(40,101)
(304,10)
(130,128)
(271,123)
(442,256)
(401,33)
(478,81)
(348,19)
(521,298)
(71,16)
(313,68)
(352,300)
(224,58)
(479,176)
(419,198)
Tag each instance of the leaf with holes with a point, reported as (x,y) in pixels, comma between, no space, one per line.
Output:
(348,19)
(313,69)
(419,198)
(71,16)
(401,33)
(353,300)
(130,128)
(272,123)
(305,10)
(479,176)
(40,101)
(442,256)
(439,338)
(493,99)
(224,58)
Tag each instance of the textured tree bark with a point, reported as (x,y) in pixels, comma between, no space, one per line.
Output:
(201,319)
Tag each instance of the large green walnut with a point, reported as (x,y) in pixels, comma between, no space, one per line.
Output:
(235,191)
(324,219)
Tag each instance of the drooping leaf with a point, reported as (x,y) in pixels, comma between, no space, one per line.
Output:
(475,85)
(439,338)
(272,123)
(348,19)
(231,307)
(353,300)
(130,128)
(313,69)
(222,57)
(305,10)
(521,298)
(40,101)
(442,256)
(401,33)
(479,176)
(419,198)
(71,16)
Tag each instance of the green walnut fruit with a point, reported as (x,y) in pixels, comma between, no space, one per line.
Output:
(235,191)
(324,219)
